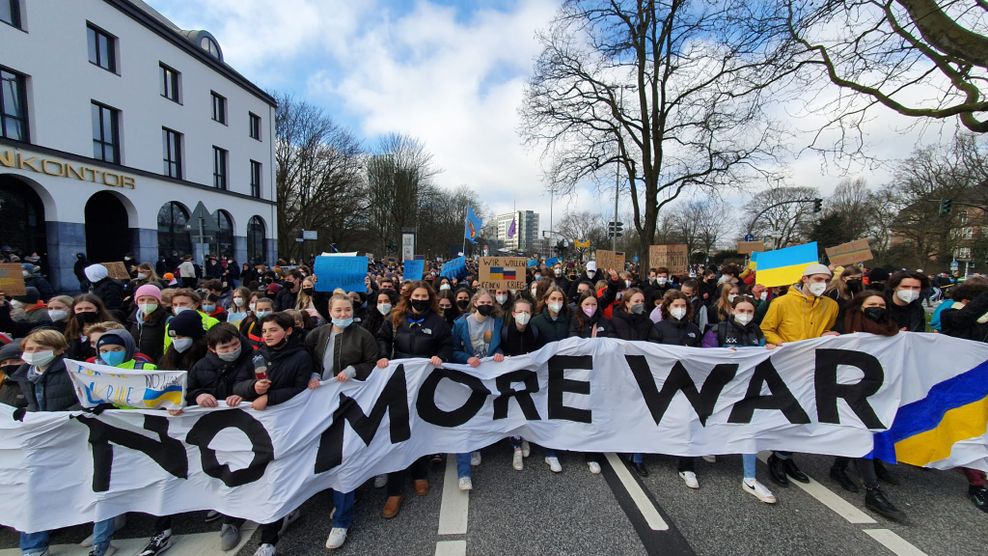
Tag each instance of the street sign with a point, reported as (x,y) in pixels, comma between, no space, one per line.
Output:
(954,267)
(310,235)
(209,226)
(749,237)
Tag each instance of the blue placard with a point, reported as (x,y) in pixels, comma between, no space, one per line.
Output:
(552,261)
(347,273)
(532,262)
(456,268)
(414,269)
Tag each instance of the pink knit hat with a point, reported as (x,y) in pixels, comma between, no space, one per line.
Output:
(148,289)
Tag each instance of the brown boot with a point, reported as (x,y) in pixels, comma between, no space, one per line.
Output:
(421,487)
(391,506)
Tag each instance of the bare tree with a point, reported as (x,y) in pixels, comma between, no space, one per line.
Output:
(921,58)
(670,91)
(396,173)
(782,225)
(584,226)
(699,223)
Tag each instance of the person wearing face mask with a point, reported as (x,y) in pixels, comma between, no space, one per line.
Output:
(740,332)
(342,350)
(720,310)
(59,312)
(559,278)
(503,299)
(476,336)
(46,386)
(10,361)
(28,310)
(186,300)
(236,311)
(87,309)
(211,306)
(287,296)
(519,338)
(630,318)
(867,312)
(657,285)
(845,284)
(188,342)
(414,330)
(383,302)
(462,300)
(305,300)
(250,327)
(801,314)
(589,322)
(552,324)
(116,348)
(903,298)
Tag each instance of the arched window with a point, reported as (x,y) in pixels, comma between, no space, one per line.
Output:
(173,232)
(256,240)
(222,244)
(210,46)
(22,218)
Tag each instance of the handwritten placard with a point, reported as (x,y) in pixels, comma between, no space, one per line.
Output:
(610,260)
(857,251)
(503,273)
(674,256)
(12,279)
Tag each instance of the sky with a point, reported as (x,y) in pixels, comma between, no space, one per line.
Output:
(452,73)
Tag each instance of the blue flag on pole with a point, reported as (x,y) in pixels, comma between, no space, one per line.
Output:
(472,226)
(456,268)
(334,272)
(414,269)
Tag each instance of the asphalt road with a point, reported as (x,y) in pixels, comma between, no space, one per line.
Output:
(535,512)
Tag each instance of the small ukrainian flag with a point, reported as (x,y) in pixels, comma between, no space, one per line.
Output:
(170,395)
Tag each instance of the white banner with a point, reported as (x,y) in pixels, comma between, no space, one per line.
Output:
(136,388)
(819,396)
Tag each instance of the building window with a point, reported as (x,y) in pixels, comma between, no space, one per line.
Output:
(255,126)
(13,107)
(170,83)
(106,137)
(174,237)
(102,48)
(219,108)
(255,179)
(172,152)
(256,243)
(210,46)
(10,12)
(219,168)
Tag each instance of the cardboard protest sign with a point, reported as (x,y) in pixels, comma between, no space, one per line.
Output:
(748,247)
(852,252)
(340,272)
(117,270)
(504,273)
(610,260)
(12,279)
(674,256)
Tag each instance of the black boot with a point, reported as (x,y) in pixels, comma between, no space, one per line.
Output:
(979,497)
(640,469)
(841,476)
(793,471)
(884,475)
(777,471)
(875,501)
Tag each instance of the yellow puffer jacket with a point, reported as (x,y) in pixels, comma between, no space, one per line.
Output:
(796,316)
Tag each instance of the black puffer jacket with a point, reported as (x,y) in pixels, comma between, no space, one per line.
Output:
(963,323)
(111,293)
(515,342)
(603,326)
(731,334)
(288,370)
(52,392)
(549,330)
(629,326)
(212,375)
(432,338)
(150,334)
(912,317)
(677,333)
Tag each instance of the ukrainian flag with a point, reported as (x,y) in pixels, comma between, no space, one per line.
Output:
(784,267)
(170,395)
(925,431)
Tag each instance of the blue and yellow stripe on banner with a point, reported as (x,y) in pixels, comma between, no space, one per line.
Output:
(784,267)
(171,394)
(925,431)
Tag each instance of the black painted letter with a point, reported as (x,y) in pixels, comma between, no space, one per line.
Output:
(559,384)
(524,396)
(210,424)
(679,381)
(780,398)
(856,395)
(167,452)
(430,412)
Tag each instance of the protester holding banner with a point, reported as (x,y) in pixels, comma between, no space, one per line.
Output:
(800,314)
(414,330)
(116,348)
(903,294)
(630,320)
(518,338)
(552,323)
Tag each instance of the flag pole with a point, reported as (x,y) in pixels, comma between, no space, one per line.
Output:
(465,232)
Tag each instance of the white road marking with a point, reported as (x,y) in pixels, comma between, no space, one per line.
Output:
(207,544)
(455,502)
(898,545)
(829,498)
(645,505)
(451,548)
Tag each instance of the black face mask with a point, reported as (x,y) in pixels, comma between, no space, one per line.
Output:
(876,314)
(485,310)
(9,370)
(86,318)
(463,304)
(421,305)
(308,291)
(854,286)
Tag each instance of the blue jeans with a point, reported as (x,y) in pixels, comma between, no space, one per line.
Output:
(637,458)
(463,465)
(343,501)
(36,543)
(748,462)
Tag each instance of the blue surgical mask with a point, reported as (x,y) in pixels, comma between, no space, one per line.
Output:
(342,323)
(113,358)
(208,308)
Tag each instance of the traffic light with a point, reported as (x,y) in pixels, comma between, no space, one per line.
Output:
(945,207)
(614,229)
(817,205)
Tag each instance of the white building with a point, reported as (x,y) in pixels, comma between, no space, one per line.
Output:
(114,125)
(526,234)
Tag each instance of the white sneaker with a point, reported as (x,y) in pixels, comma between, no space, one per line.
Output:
(554,465)
(337,536)
(266,550)
(689,478)
(516,460)
(526,449)
(466,483)
(475,459)
(380,481)
(594,467)
(710,459)
(758,490)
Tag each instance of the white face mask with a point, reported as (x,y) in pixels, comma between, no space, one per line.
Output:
(743,318)
(182,344)
(177,310)
(39,358)
(907,296)
(732,297)
(523,318)
(817,288)
(555,307)
(57,315)
(627,283)
(763,296)
(443,287)
(238,301)
(678,313)
(501,298)
(141,275)
(662,280)
(384,308)
(253,307)
(147,308)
